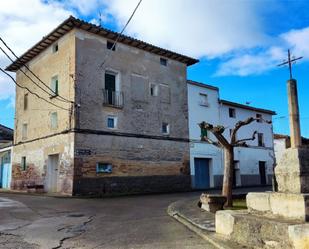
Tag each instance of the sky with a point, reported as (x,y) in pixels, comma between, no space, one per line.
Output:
(239,42)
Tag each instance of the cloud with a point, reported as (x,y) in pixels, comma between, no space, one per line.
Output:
(197,28)
(22,24)
(258,63)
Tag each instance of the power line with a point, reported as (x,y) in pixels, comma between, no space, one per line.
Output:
(35,94)
(25,73)
(63,99)
(123,29)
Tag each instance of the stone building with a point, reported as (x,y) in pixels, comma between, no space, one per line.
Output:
(121,120)
(253,164)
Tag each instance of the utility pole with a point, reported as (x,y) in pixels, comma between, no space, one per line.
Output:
(295,133)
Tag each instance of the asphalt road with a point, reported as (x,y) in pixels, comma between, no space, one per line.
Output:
(31,222)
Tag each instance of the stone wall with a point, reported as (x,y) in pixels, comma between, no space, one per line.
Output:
(36,154)
(134,161)
(105,186)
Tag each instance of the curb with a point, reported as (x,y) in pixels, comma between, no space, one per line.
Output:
(216,240)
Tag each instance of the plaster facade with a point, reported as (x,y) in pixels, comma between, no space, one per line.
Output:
(217,112)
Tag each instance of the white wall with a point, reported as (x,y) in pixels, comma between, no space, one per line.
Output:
(197,114)
(217,113)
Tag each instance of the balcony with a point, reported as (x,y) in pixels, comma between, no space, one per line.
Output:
(112,98)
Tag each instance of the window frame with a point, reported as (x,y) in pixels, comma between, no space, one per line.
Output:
(115,122)
(259,117)
(55,88)
(26,99)
(163,61)
(53,114)
(24,131)
(201,102)
(109,46)
(261,142)
(232,112)
(167,125)
(154,90)
(107,170)
(23,164)
(55,48)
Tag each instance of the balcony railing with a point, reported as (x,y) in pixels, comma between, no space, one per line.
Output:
(113,98)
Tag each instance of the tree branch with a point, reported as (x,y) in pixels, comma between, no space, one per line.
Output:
(238,125)
(217,131)
(242,142)
(210,141)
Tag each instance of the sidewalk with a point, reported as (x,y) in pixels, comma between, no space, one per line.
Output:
(187,212)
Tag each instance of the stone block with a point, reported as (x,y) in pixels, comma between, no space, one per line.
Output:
(290,206)
(281,205)
(212,203)
(299,236)
(292,172)
(225,222)
(258,202)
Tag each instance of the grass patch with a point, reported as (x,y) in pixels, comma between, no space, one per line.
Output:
(238,204)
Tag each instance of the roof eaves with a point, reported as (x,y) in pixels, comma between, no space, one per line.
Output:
(226,102)
(73,22)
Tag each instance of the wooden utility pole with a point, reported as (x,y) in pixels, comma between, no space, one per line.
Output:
(295,133)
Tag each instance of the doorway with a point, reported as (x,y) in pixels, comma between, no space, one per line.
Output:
(262,171)
(110,86)
(201,178)
(52,173)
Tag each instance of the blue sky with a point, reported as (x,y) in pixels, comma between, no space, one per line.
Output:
(239,43)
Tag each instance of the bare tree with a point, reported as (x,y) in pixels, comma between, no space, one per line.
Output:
(228,147)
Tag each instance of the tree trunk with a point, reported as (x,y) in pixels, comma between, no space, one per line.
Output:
(228,175)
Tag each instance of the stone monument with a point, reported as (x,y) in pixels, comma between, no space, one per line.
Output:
(277,219)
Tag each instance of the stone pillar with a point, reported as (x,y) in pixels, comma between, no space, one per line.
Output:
(294,114)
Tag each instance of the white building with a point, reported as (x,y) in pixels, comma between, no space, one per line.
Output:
(253,164)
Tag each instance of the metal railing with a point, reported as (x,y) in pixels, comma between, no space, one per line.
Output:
(113,98)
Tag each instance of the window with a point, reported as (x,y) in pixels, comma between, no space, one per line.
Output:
(54,85)
(104,168)
(55,48)
(54,120)
(163,62)
(203,99)
(111,46)
(23,164)
(232,113)
(112,122)
(259,118)
(26,101)
(165,128)
(154,90)
(24,131)
(261,140)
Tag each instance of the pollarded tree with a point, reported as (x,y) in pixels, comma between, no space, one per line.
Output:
(228,148)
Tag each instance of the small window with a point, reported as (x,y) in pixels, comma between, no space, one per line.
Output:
(55,48)
(26,101)
(154,90)
(24,131)
(232,113)
(23,164)
(54,85)
(104,168)
(259,118)
(165,128)
(112,122)
(261,139)
(111,46)
(163,62)
(54,120)
(231,131)
(203,99)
